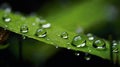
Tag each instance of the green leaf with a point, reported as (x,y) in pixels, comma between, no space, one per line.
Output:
(52,34)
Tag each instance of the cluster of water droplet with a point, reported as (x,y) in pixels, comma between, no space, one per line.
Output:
(79,41)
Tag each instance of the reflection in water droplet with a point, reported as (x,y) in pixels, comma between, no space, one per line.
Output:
(79,41)
(64,35)
(48,25)
(6,19)
(99,44)
(87,56)
(41,33)
(24,29)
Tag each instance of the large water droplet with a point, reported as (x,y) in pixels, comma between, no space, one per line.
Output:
(47,25)
(64,35)
(6,19)
(99,44)
(41,33)
(24,29)
(87,56)
(79,41)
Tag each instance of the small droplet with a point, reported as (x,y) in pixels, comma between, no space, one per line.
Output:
(68,48)
(89,34)
(87,56)
(115,50)
(41,33)
(99,44)
(47,39)
(24,29)
(77,54)
(23,36)
(6,19)
(47,25)
(90,38)
(79,41)
(64,35)
(115,47)
(56,46)
(89,50)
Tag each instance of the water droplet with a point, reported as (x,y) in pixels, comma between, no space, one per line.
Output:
(87,56)
(77,54)
(89,50)
(99,44)
(47,25)
(6,19)
(90,38)
(56,46)
(41,33)
(64,35)
(89,34)
(68,48)
(115,50)
(23,36)
(24,29)
(79,41)
(115,47)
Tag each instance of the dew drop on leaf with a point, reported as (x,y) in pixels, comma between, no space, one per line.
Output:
(78,41)
(6,19)
(47,25)
(99,44)
(64,35)
(41,33)
(90,36)
(24,29)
